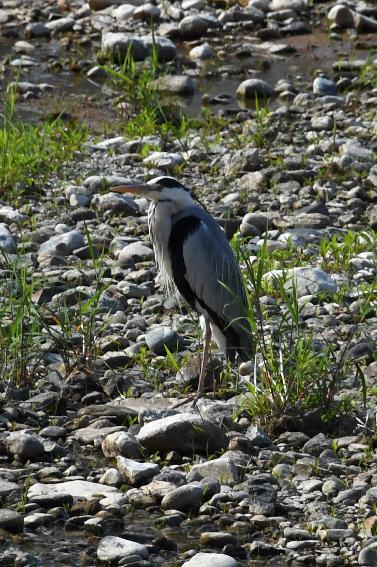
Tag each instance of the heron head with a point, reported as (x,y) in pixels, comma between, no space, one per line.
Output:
(162,188)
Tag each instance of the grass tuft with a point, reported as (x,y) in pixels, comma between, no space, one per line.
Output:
(29,153)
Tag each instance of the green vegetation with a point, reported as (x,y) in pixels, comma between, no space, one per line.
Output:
(294,370)
(20,325)
(29,153)
(145,110)
(72,330)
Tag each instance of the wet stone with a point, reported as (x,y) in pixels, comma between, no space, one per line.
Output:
(183,498)
(7,242)
(8,488)
(217,539)
(111,549)
(210,560)
(184,433)
(367,557)
(52,500)
(162,338)
(223,469)
(251,88)
(136,473)
(261,500)
(192,27)
(24,446)
(11,521)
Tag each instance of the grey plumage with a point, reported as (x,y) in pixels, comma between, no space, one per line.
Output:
(194,257)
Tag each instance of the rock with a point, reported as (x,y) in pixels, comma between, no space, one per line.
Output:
(11,521)
(210,486)
(162,338)
(258,437)
(78,489)
(368,557)
(262,499)
(136,473)
(9,215)
(238,162)
(111,477)
(308,281)
(7,242)
(8,488)
(363,24)
(147,12)
(185,433)
(183,498)
(350,496)
(211,560)
(323,87)
(201,52)
(192,27)
(23,445)
(123,12)
(175,84)
(253,181)
(317,444)
(163,160)
(52,500)
(36,30)
(356,152)
(37,520)
(217,539)
(121,443)
(296,5)
(341,15)
(115,203)
(253,89)
(112,549)
(331,487)
(322,122)
(61,25)
(53,432)
(116,46)
(166,49)
(61,244)
(222,469)
(135,252)
(99,183)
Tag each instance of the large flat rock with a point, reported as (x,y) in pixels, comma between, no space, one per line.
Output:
(78,489)
(186,433)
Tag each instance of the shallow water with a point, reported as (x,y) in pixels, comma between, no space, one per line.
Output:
(85,99)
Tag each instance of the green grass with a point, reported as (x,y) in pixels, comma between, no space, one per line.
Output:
(31,152)
(293,372)
(20,325)
(25,325)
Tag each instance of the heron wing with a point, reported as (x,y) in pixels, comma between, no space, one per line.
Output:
(208,276)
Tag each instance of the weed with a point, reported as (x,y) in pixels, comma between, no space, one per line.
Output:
(291,372)
(23,497)
(28,153)
(20,325)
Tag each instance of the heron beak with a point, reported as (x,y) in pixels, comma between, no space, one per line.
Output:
(134,188)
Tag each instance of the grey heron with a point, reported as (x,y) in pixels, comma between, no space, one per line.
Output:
(194,257)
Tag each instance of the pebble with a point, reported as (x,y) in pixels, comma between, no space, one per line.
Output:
(210,560)
(253,89)
(136,473)
(183,498)
(184,433)
(113,548)
(11,521)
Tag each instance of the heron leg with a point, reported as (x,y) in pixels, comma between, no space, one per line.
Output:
(207,342)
